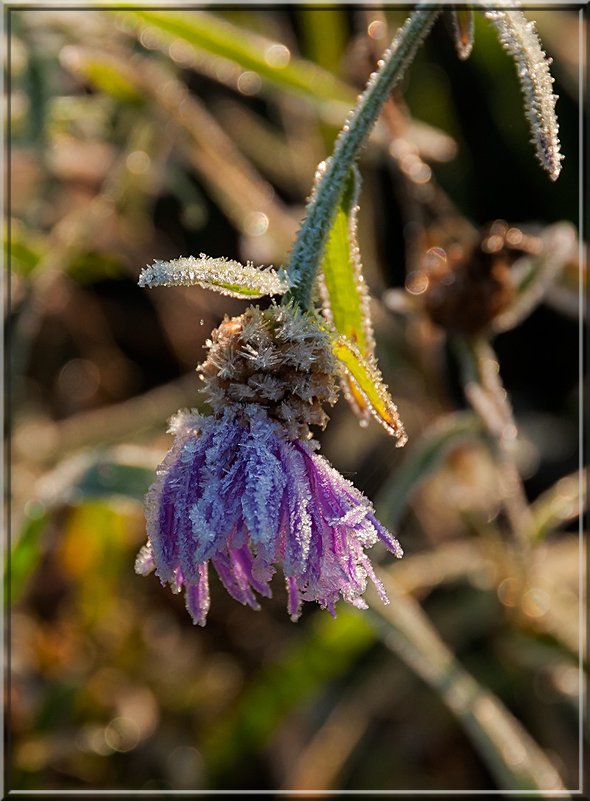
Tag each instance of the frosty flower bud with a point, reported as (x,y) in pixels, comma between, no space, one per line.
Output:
(278,358)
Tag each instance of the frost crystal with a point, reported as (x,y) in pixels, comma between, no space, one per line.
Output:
(235,491)
(222,275)
(519,38)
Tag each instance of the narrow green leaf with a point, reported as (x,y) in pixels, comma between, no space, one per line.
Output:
(344,292)
(342,287)
(369,384)
(25,554)
(519,38)
(219,274)
(271,60)
(424,458)
(25,252)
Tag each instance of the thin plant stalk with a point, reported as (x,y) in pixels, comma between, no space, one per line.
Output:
(515,759)
(484,391)
(311,238)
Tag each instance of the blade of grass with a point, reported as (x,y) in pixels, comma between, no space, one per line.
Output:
(508,750)
(558,244)
(563,502)
(237,187)
(270,60)
(83,478)
(424,458)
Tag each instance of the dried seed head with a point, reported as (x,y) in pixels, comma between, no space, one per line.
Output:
(465,290)
(278,358)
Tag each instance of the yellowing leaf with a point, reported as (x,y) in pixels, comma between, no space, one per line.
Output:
(369,384)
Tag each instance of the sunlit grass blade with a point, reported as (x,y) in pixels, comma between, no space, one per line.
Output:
(535,274)
(233,182)
(107,73)
(567,292)
(24,247)
(425,457)
(219,274)
(271,60)
(559,505)
(369,384)
(508,750)
(344,292)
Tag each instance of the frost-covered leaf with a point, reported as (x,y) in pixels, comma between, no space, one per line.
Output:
(344,293)
(369,384)
(519,38)
(462,26)
(219,274)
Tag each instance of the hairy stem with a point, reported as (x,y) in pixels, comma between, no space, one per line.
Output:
(311,238)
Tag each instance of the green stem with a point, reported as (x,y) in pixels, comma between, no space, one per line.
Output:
(311,239)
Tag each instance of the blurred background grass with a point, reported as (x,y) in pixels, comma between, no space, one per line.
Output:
(138,135)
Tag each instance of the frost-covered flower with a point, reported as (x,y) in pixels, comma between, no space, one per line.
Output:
(245,489)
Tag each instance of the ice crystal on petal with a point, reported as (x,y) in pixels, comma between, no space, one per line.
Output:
(222,275)
(238,492)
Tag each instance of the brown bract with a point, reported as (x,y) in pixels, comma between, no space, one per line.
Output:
(279,358)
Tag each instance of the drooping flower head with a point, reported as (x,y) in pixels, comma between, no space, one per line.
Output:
(245,489)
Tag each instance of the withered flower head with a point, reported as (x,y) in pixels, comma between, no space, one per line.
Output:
(465,289)
(245,489)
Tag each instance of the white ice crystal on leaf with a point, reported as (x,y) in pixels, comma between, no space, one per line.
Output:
(519,38)
(219,274)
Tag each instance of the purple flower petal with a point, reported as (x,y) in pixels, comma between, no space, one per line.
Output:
(236,490)
(197,596)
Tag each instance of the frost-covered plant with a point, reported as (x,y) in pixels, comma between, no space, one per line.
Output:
(245,488)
